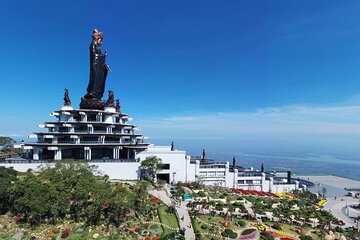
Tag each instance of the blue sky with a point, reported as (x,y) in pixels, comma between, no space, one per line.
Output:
(275,70)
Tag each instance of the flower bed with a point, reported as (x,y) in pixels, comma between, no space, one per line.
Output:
(248,234)
(321,202)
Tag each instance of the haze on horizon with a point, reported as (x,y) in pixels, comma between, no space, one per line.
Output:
(260,77)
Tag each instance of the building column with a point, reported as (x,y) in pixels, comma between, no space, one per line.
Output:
(57,154)
(296,185)
(84,118)
(235,178)
(36,153)
(227,167)
(197,168)
(99,117)
(87,153)
(263,175)
(271,184)
(90,128)
(116,153)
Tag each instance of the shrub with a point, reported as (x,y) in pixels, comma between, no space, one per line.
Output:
(204,226)
(266,236)
(201,194)
(277,226)
(242,223)
(306,237)
(229,233)
(248,231)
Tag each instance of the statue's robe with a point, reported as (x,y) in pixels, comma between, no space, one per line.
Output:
(98,73)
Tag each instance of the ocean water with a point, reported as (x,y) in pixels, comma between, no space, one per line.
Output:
(299,158)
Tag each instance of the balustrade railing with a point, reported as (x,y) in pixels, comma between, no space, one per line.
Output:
(60,141)
(23,161)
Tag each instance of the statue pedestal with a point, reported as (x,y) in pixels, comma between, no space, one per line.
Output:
(92,104)
(110,109)
(66,108)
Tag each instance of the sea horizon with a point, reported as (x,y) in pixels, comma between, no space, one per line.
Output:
(306,162)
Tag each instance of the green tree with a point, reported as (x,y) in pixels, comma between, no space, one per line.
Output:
(6,140)
(7,177)
(32,200)
(149,167)
(70,183)
(119,206)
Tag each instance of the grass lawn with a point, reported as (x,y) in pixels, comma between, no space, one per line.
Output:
(169,219)
(214,221)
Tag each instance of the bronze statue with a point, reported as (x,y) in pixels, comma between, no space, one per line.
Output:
(98,68)
(117,107)
(110,101)
(67,101)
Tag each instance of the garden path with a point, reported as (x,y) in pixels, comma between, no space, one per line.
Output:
(182,211)
(338,208)
(160,194)
(248,207)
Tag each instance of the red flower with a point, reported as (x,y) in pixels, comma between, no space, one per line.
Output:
(18,218)
(153,199)
(50,234)
(147,238)
(106,204)
(155,238)
(65,234)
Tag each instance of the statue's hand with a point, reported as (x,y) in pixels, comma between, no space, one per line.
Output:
(108,67)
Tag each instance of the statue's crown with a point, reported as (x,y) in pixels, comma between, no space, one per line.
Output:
(97,34)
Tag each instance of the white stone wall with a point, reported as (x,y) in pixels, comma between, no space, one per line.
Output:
(190,170)
(119,170)
(125,171)
(277,188)
(23,167)
(176,159)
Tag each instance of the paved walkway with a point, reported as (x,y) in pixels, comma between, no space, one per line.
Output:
(338,209)
(248,207)
(182,212)
(335,188)
(162,195)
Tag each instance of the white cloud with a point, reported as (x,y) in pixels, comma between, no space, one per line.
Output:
(286,121)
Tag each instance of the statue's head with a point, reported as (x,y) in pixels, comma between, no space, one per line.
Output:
(98,36)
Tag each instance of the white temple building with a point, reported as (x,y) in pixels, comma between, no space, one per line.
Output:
(107,138)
